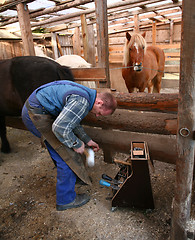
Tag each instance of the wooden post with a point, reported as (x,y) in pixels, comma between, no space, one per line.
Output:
(54,45)
(186,127)
(59,46)
(76,42)
(85,37)
(136,22)
(91,46)
(25,28)
(153,32)
(171,32)
(102,36)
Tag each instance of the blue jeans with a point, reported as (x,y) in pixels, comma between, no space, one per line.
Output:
(66,178)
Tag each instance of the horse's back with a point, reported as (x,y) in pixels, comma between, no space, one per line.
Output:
(30,72)
(20,76)
(74,61)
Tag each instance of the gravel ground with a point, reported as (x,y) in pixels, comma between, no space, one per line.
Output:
(27,203)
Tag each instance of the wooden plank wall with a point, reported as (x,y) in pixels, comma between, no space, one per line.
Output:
(9,49)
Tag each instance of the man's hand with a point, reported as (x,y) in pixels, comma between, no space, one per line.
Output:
(81,149)
(94,145)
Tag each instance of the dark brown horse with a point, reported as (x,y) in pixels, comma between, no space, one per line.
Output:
(19,77)
(143,66)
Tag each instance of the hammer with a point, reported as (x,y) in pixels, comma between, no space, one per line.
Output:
(89,154)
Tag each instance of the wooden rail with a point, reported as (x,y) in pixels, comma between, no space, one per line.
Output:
(172,53)
(89,74)
(114,133)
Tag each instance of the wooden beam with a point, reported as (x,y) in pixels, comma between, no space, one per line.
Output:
(102,37)
(136,23)
(154,33)
(76,42)
(85,37)
(171,32)
(50,10)
(54,45)
(136,121)
(112,16)
(91,45)
(120,141)
(9,4)
(89,74)
(113,6)
(156,102)
(90,12)
(162,102)
(26,33)
(186,127)
(59,46)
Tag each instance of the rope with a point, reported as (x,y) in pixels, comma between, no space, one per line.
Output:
(176,74)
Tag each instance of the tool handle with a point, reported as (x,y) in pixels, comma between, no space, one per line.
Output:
(104,183)
(86,153)
(115,181)
(122,162)
(106,177)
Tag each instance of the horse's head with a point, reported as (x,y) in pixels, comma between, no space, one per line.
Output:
(134,50)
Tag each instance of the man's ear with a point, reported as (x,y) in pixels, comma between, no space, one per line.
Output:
(99,101)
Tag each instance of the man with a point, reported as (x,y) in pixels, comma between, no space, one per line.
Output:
(67,103)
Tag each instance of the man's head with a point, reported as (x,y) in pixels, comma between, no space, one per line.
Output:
(105,104)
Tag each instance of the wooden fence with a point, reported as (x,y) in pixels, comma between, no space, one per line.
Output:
(12,48)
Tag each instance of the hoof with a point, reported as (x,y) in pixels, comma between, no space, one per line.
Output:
(5,149)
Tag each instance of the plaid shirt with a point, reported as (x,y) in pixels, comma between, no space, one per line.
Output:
(67,126)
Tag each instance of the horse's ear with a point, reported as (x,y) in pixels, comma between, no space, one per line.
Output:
(128,36)
(144,34)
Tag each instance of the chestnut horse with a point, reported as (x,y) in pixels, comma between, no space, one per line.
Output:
(143,66)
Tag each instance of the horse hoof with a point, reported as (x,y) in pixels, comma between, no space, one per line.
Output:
(5,149)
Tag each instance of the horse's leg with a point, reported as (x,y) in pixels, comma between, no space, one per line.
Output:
(149,85)
(159,79)
(4,142)
(130,89)
(150,89)
(157,82)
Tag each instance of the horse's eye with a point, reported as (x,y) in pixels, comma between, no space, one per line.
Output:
(143,47)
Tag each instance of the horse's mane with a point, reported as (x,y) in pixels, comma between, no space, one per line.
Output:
(135,37)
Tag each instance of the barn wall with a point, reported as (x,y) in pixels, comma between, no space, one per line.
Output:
(14,48)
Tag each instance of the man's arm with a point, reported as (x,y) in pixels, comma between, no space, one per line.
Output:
(68,121)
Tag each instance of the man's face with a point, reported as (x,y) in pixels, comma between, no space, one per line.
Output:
(98,110)
(101,112)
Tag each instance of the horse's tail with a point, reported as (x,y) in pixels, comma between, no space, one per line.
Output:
(65,73)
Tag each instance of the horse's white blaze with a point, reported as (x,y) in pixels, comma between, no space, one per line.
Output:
(137,49)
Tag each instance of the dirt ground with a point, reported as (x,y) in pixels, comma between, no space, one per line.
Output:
(27,204)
